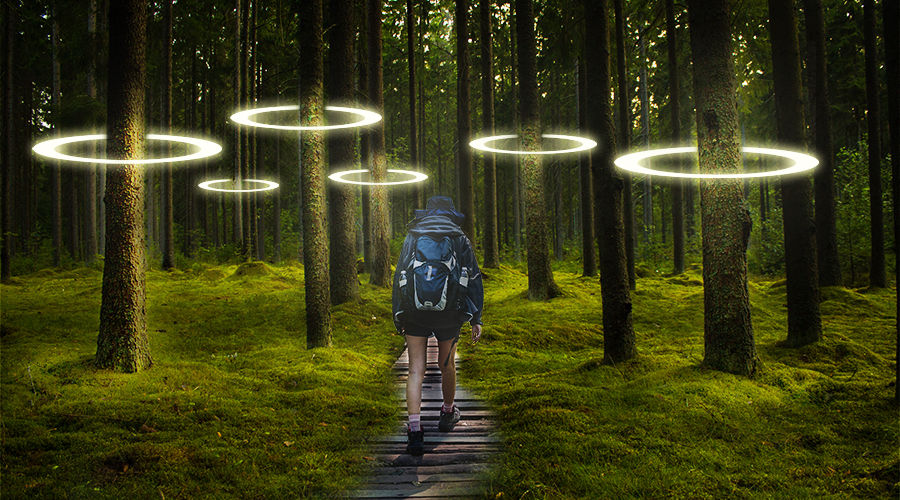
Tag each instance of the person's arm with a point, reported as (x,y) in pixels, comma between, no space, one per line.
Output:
(395,290)
(475,288)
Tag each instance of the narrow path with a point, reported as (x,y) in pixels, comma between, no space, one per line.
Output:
(454,464)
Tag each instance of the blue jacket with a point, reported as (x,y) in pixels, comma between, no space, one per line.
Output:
(437,222)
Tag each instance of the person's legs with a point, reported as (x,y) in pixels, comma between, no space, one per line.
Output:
(416,346)
(447,363)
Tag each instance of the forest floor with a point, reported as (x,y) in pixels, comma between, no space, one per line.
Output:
(235,405)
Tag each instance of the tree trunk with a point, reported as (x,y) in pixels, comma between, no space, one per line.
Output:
(624,140)
(517,182)
(466,183)
(247,241)
(415,158)
(675,110)
(9,142)
(804,322)
(312,152)
(618,333)
(540,277)
(877,277)
(90,197)
(365,147)
(341,196)
(826,229)
(55,170)
(491,246)
(237,212)
(728,333)
(378,196)
(122,343)
(647,184)
(589,258)
(168,260)
(891,26)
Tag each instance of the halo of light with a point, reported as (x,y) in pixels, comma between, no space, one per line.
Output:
(267,185)
(246,118)
(631,163)
(481,144)
(415,177)
(49,148)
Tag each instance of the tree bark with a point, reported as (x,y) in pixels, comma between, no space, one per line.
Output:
(9,142)
(168,260)
(247,241)
(466,183)
(378,197)
(728,333)
(55,170)
(540,277)
(341,196)
(312,151)
(647,184)
(618,333)
(826,230)
(624,139)
(491,246)
(677,185)
(90,197)
(415,158)
(237,211)
(804,322)
(122,343)
(588,257)
(877,276)
(891,27)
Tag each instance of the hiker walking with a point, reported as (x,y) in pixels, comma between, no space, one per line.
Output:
(437,288)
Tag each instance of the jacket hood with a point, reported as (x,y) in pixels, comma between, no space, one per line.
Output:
(437,222)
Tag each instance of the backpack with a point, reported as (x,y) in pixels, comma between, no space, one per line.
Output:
(433,280)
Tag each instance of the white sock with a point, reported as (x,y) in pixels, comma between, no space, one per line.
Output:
(415,423)
(445,408)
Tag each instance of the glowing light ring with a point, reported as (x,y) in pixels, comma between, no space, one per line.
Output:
(631,163)
(49,149)
(267,185)
(245,118)
(415,177)
(584,144)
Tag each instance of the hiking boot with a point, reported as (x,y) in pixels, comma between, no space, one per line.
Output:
(415,444)
(448,419)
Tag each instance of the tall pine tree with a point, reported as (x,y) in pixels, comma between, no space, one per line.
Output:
(122,343)
(725,219)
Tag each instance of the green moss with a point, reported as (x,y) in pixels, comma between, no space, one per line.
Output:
(815,421)
(251,269)
(233,382)
(234,403)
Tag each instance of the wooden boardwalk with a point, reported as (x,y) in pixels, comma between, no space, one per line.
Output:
(455,463)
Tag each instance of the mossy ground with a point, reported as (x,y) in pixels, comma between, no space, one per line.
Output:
(815,422)
(235,405)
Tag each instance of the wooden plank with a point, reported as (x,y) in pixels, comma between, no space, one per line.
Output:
(444,437)
(433,469)
(425,478)
(437,448)
(404,459)
(462,405)
(432,428)
(461,489)
(469,415)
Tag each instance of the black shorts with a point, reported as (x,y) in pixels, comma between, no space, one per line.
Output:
(442,334)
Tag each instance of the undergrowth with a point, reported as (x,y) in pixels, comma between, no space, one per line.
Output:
(236,406)
(815,422)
